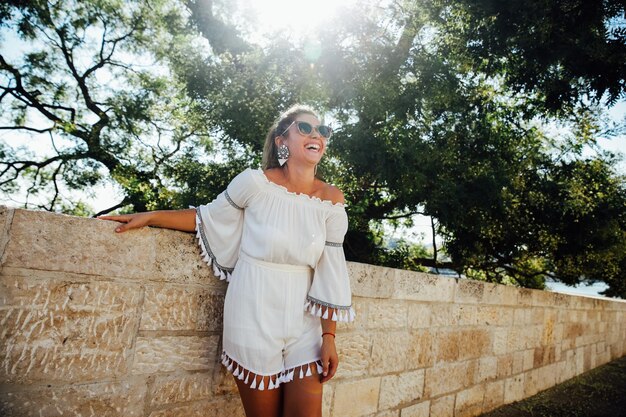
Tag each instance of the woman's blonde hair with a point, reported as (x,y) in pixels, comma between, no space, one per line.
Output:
(270,150)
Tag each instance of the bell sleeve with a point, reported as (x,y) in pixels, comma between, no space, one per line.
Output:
(330,295)
(219,224)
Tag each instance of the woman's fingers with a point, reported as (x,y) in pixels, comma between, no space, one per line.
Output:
(130,221)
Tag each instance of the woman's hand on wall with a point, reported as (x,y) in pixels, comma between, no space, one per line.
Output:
(131,221)
(184,220)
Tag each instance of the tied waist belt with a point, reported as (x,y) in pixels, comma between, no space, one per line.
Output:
(274,266)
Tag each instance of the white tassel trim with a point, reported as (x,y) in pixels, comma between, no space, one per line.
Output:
(221,272)
(257,381)
(345,314)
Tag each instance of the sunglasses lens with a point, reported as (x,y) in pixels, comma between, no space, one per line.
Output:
(305,128)
(325,131)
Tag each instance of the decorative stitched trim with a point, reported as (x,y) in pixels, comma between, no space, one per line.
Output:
(321,309)
(230,201)
(256,380)
(335,244)
(220,271)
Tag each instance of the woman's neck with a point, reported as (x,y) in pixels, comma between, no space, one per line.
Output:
(300,179)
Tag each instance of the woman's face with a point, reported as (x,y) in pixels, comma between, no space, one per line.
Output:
(303,148)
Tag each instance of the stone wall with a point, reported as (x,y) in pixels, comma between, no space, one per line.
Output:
(98,324)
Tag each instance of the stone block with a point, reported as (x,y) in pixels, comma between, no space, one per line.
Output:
(469,291)
(444,315)
(328,393)
(419,315)
(469,402)
(487,368)
(518,362)
(177,259)
(547,377)
(62,330)
(361,309)
(172,389)
(219,407)
(474,343)
(175,353)
(521,316)
(494,396)
(387,314)
(505,365)
(387,413)
(111,399)
(446,345)
(416,410)
(442,406)
(420,350)
(396,390)
(175,307)
(500,341)
(466,314)
(389,352)
(6,218)
(354,350)
(445,379)
(525,297)
(370,281)
(531,382)
(514,388)
(356,398)
(498,294)
(418,286)
(494,316)
(89,246)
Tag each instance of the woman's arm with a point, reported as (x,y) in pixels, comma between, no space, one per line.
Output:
(184,220)
(330,360)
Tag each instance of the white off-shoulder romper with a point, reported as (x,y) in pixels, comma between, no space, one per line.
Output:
(282,255)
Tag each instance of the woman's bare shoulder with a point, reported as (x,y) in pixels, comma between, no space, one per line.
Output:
(275,175)
(334,194)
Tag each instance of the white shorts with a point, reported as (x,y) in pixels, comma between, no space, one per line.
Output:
(267,332)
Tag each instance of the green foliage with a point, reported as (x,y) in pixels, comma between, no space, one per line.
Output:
(564,51)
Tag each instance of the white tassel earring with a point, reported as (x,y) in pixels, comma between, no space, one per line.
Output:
(283,154)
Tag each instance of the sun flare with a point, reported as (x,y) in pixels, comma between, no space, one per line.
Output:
(296,17)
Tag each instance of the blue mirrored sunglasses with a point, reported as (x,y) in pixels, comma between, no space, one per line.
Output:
(307,128)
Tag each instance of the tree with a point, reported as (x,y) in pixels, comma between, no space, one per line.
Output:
(421,128)
(562,51)
(88,85)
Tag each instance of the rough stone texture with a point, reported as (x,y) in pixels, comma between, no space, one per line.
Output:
(6,218)
(469,402)
(418,410)
(356,398)
(175,307)
(112,399)
(354,349)
(422,287)
(219,407)
(94,323)
(173,353)
(388,352)
(494,395)
(173,389)
(447,378)
(62,330)
(387,314)
(400,389)
(442,406)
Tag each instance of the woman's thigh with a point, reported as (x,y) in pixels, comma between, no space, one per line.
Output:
(257,403)
(303,397)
